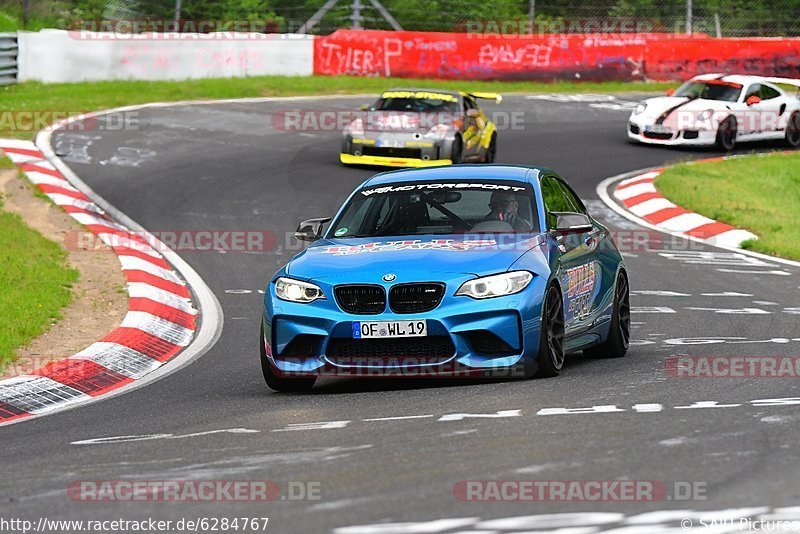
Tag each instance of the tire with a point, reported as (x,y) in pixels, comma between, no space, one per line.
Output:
(281,383)
(619,331)
(550,359)
(793,130)
(491,152)
(457,151)
(726,134)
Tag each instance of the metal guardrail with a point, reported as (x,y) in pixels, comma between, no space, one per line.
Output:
(8,58)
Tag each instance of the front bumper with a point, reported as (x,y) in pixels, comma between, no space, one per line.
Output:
(637,131)
(395,149)
(485,335)
(388,161)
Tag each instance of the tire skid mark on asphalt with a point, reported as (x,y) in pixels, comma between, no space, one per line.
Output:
(160,322)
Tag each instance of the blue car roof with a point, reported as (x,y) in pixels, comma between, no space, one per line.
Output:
(519,173)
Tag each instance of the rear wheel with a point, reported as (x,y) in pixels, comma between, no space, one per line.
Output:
(793,130)
(491,152)
(619,332)
(275,381)
(726,134)
(457,151)
(551,346)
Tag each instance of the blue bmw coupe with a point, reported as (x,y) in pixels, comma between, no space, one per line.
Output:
(459,270)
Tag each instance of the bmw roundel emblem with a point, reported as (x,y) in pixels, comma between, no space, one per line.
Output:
(389,277)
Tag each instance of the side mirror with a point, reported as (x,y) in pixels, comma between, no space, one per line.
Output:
(752,99)
(567,222)
(310,230)
(472,112)
(670,92)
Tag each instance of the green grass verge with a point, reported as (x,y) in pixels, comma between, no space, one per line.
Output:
(760,193)
(82,97)
(35,282)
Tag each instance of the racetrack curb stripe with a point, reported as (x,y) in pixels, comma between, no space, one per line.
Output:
(639,196)
(161,320)
(603,192)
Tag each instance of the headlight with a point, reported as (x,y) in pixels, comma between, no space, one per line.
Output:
(640,108)
(356,127)
(496,285)
(297,291)
(705,115)
(438,132)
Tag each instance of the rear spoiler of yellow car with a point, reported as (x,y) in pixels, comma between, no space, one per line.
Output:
(489,96)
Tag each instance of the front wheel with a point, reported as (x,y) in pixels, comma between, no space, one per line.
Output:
(619,331)
(793,130)
(491,152)
(726,134)
(457,151)
(551,346)
(275,381)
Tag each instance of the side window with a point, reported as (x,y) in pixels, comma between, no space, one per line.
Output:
(554,200)
(754,89)
(572,198)
(768,93)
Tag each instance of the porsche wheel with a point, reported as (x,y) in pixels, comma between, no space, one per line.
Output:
(277,382)
(726,134)
(619,331)
(793,130)
(551,346)
(491,152)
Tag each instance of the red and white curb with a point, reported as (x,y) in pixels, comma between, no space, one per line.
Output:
(161,320)
(639,195)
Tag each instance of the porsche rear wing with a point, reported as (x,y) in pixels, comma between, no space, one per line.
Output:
(489,96)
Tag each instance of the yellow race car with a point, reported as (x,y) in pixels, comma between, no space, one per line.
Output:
(421,128)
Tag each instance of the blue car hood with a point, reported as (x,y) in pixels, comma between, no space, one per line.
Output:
(416,257)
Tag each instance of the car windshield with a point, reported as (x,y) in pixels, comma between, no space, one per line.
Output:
(417,102)
(725,91)
(438,209)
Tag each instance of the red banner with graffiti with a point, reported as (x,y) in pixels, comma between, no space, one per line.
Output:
(682,58)
(468,56)
(551,57)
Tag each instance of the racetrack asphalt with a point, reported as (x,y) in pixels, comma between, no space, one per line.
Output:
(225,167)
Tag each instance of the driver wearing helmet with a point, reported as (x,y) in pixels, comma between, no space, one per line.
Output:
(504,206)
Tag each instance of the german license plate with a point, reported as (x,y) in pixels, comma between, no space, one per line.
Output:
(384,329)
(657,128)
(389,143)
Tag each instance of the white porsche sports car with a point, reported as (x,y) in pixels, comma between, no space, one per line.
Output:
(720,109)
